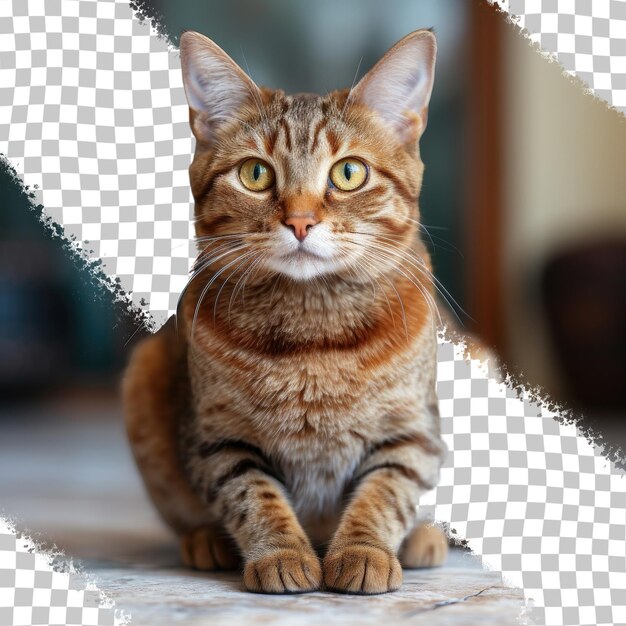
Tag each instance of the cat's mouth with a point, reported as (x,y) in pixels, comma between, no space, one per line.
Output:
(302,253)
(301,263)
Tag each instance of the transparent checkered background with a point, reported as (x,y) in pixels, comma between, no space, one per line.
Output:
(532,496)
(94,113)
(97,120)
(588,37)
(32,592)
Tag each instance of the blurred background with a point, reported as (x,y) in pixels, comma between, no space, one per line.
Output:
(524,199)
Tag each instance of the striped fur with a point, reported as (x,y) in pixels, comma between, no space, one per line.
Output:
(289,410)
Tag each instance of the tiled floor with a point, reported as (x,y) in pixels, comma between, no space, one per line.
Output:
(66,475)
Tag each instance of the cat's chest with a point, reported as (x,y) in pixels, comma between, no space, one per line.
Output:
(318,472)
(300,394)
(306,380)
(305,394)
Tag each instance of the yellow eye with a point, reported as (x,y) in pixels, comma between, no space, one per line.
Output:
(348,174)
(256,175)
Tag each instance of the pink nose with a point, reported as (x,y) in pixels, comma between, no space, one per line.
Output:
(300,225)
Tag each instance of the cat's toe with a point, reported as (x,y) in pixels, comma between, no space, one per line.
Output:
(207,549)
(284,570)
(362,569)
(426,546)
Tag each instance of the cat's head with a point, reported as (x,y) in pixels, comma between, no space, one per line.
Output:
(307,185)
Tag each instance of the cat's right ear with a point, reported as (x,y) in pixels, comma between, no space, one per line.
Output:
(215,86)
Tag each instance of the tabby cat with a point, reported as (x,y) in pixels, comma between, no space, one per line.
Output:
(285,420)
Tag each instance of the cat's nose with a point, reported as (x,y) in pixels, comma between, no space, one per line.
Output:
(300,225)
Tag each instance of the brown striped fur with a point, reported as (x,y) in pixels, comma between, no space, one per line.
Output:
(289,409)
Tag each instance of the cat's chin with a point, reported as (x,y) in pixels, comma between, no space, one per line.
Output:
(302,266)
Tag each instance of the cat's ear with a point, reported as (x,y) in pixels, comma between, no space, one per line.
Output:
(398,87)
(216,87)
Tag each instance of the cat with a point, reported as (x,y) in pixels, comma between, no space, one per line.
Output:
(286,420)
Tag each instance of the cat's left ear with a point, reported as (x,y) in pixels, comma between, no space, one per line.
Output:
(399,86)
(216,87)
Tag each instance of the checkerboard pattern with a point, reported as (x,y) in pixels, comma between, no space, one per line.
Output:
(98,122)
(588,37)
(530,495)
(33,592)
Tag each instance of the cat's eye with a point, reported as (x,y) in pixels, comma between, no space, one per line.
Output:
(256,175)
(348,174)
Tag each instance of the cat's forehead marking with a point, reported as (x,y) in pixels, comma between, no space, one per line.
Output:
(297,142)
(301,121)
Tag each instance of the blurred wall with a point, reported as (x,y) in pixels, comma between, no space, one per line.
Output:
(565,159)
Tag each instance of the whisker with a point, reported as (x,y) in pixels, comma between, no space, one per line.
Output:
(345,105)
(255,94)
(377,261)
(277,280)
(217,297)
(451,247)
(253,270)
(432,305)
(235,288)
(421,267)
(374,265)
(206,289)
(196,271)
(211,256)
(435,227)
(203,238)
(448,247)
(402,258)
(142,325)
(372,277)
(246,271)
(209,250)
(403,271)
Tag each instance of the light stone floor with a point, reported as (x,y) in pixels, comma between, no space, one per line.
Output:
(67,477)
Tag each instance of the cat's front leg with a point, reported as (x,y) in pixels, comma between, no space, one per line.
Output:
(242,488)
(362,556)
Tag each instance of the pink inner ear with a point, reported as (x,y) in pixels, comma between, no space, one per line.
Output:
(399,86)
(215,86)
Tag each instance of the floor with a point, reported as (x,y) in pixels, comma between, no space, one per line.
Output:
(68,478)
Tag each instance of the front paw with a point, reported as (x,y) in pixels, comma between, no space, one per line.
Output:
(362,569)
(283,570)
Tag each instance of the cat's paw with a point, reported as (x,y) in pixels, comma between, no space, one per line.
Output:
(207,549)
(362,569)
(426,546)
(283,570)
